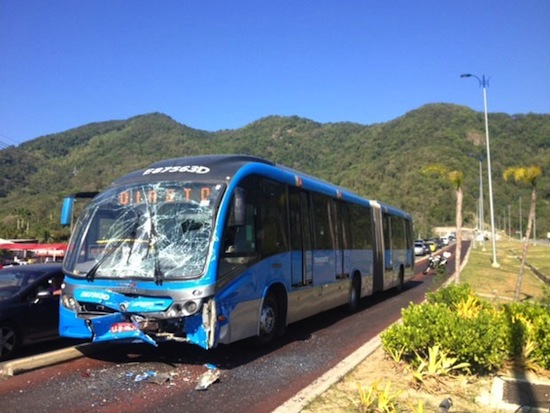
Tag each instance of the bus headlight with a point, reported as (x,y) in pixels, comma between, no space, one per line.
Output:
(183,309)
(68,302)
(190,307)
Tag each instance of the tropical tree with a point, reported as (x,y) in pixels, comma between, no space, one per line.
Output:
(526,175)
(456,178)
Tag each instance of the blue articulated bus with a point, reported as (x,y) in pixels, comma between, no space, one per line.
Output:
(218,248)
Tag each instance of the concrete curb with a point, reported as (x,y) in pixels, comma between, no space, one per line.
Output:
(18,366)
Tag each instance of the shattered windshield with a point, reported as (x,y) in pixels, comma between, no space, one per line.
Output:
(153,230)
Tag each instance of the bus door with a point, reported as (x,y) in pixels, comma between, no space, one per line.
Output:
(389,259)
(301,245)
(324,239)
(342,240)
(379,250)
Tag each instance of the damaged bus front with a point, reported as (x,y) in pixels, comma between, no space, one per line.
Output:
(137,262)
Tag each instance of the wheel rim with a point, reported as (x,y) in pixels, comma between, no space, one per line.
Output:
(8,341)
(267,319)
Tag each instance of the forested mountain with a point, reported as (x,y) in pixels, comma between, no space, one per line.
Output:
(381,161)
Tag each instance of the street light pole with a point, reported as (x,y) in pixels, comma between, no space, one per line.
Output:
(483,82)
(481,212)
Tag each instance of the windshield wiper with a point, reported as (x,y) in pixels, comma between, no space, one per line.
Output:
(153,239)
(90,275)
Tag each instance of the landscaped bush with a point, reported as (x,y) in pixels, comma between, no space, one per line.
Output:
(530,323)
(472,330)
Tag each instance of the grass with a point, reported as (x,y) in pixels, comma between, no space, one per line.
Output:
(499,284)
(379,371)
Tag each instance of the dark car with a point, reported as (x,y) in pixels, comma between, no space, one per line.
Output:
(29,305)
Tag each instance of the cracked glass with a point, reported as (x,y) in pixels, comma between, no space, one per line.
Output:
(157,231)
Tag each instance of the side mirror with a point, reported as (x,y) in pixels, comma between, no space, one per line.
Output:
(67,207)
(67,211)
(41,295)
(239,207)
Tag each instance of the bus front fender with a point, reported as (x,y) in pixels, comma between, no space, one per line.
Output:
(116,327)
(202,329)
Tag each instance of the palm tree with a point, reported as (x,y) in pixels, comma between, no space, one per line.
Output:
(527,175)
(456,178)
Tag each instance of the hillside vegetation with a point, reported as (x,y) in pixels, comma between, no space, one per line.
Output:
(381,161)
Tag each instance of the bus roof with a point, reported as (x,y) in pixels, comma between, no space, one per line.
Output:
(218,167)
(224,168)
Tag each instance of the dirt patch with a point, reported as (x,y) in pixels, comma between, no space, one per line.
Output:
(380,370)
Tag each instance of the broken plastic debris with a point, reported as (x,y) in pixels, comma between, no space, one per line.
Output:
(146,375)
(208,377)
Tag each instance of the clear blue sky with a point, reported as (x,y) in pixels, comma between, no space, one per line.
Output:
(222,64)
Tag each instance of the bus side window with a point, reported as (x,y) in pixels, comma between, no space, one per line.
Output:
(273,230)
(238,246)
(239,239)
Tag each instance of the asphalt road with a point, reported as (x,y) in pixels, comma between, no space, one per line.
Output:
(250,380)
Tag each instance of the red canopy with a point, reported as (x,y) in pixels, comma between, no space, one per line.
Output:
(15,246)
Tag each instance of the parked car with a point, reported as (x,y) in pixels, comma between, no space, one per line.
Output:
(421,248)
(431,245)
(29,305)
(438,242)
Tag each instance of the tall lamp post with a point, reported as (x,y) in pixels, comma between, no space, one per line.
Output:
(481,212)
(483,82)
(481,218)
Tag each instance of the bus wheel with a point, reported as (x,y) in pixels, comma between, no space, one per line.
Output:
(269,320)
(401,280)
(354,294)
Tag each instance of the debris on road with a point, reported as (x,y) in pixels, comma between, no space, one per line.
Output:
(210,376)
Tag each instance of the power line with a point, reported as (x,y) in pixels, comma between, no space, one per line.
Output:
(5,138)
(4,145)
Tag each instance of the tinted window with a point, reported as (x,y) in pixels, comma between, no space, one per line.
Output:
(325,234)
(361,227)
(273,227)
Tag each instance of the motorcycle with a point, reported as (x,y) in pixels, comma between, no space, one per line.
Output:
(435,261)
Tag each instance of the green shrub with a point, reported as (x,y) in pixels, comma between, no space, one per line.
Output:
(472,330)
(545,300)
(530,322)
(462,325)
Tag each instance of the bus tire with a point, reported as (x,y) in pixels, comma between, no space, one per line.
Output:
(269,320)
(354,293)
(401,279)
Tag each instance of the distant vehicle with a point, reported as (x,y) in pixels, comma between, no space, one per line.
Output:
(438,242)
(431,245)
(29,305)
(451,236)
(420,248)
(424,245)
(7,264)
(437,261)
